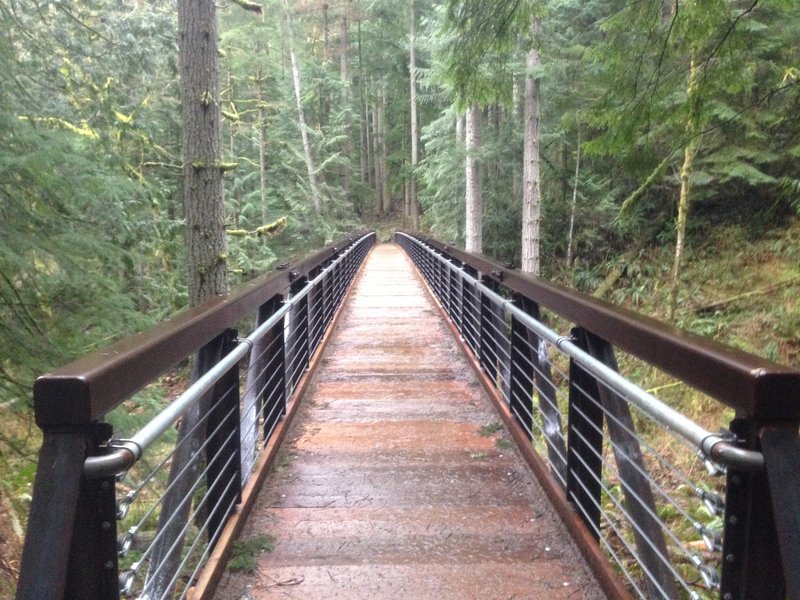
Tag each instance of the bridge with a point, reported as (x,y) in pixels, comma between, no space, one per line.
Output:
(408,420)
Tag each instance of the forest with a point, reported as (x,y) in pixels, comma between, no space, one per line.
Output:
(646,152)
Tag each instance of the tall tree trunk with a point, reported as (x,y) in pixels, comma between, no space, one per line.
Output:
(207,268)
(377,176)
(326,38)
(531,192)
(301,119)
(413,202)
(460,126)
(347,144)
(364,153)
(366,147)
(573,205)
(685,194)
(474,202)
(262,146)
(385,196)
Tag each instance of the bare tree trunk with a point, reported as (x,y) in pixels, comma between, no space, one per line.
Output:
(376,161)
(413,202)
(312,173)
(385,196)
(574,203)
(474,203)
(531,192)
(262,146)
(207,268)
(326,38)
(460,126)
(685,194)
(344,69)
(367,147)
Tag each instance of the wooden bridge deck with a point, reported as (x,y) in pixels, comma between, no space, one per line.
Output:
(394,481)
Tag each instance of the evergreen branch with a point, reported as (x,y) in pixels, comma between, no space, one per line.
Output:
(721,43)
(82,24)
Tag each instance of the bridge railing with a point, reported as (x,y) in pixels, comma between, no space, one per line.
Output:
(681,511)
(137,514)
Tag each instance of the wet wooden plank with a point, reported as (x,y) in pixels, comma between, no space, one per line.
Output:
(387,487)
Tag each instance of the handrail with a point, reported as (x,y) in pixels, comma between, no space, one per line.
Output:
(722,449)
(127,451)
(579,434)
(750,384)
(71,545)
(84,390)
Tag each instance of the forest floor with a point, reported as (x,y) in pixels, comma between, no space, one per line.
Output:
(740,286)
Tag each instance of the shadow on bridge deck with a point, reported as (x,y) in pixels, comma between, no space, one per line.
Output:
(395,480)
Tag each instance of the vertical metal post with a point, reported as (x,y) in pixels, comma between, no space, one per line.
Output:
(258,377)
(223,449)
(780,444)
(488,344)
(584,442)
(78,558)
(639,500)
(521,372)
(274,398)
(751,560)
(296,347)
(52,516)
(316,310)
(471,313)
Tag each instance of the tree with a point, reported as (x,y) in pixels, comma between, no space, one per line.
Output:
(206,260)
(474,204)
(301,119)
(531,185)
(412,71)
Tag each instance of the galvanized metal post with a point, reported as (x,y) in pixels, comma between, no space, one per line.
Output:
(223,448)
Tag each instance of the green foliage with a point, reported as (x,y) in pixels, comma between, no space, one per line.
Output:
(245,553)
(490,429)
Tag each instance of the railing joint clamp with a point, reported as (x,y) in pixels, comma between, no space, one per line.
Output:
(244,340)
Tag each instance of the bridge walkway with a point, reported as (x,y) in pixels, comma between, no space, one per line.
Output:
(396,479)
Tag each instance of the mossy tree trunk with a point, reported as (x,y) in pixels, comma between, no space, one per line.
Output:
(684,198)
(207,266)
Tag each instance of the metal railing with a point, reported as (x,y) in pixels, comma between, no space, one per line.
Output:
(678,510)
(138,516)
